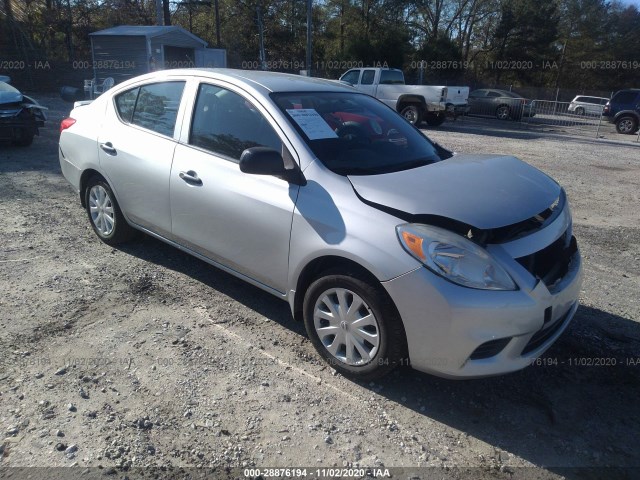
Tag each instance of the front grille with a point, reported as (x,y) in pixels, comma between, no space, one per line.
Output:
(489,349)
(551,263)
(529,225)
(542,336)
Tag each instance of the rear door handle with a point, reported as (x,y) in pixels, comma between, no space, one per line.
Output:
(108,148)
(190,177)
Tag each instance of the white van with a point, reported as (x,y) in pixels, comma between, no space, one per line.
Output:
(583,105)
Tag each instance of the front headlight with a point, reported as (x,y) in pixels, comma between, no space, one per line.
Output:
(454,257)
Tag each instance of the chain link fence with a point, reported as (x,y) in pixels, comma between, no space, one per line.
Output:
(545,115)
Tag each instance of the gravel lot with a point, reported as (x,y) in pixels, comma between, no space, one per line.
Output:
(143,356)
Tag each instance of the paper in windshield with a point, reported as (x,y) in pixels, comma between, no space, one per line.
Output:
(311,123)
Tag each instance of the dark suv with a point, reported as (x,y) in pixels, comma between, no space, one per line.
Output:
(624,110)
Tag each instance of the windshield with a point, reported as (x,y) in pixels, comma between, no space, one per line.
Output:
(354,134)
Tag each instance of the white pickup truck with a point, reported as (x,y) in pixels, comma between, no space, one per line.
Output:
(413,102)
(457,101)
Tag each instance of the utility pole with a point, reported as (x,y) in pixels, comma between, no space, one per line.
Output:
(159,13)
(217,10)
(309,18)
(263,59)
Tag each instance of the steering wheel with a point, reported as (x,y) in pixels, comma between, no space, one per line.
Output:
(353,132)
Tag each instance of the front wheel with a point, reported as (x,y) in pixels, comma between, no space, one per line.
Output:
(24,138)
(104,213)
(580,111)
(627,125)
(354,326)
(503,112)
(411,113)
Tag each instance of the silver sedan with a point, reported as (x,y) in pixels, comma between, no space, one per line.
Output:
(390,248)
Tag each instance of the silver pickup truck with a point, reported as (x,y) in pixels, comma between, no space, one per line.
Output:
(414,102)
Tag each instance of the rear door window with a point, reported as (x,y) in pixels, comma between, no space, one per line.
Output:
(367,77)
(153,106)
(157,107)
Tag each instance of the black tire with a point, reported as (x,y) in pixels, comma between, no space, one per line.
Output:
(503,112)
(580,111)
(435,120)
(412,114)
(390,332)
(25,139)
(627,125)
(120,231)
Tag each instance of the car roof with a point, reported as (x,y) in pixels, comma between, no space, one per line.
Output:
(505,93)
(264,82)
(591,96)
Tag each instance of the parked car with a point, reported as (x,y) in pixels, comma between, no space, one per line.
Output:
(501,103)
(624,110)
(387,246)
(583,105)
(413,102)
(20,115)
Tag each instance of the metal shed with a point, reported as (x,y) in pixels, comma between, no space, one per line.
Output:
(128,50)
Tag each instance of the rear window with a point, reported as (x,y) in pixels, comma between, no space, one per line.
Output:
(391,77)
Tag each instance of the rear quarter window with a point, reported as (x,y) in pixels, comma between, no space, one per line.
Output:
(125,104)
(624,97)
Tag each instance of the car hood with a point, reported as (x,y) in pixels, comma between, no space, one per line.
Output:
(482,191)
(9,94)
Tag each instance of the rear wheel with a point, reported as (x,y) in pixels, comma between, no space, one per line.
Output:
(354,326)
(104,213)
(435,119)
(412,114)
(627,125)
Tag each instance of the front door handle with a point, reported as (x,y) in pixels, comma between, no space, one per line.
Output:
(190,177)
(108,148)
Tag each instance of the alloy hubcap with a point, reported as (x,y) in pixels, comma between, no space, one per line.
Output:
(346,326)
(410,115)
(101,209)
(626,125)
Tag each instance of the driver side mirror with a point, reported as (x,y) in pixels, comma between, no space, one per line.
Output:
(267,161)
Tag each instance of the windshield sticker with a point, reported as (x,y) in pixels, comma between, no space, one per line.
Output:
(311,123)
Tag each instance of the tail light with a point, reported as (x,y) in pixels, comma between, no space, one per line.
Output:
(66,123)
(606,108)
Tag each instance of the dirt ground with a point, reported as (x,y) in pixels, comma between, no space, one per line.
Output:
(143,356)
